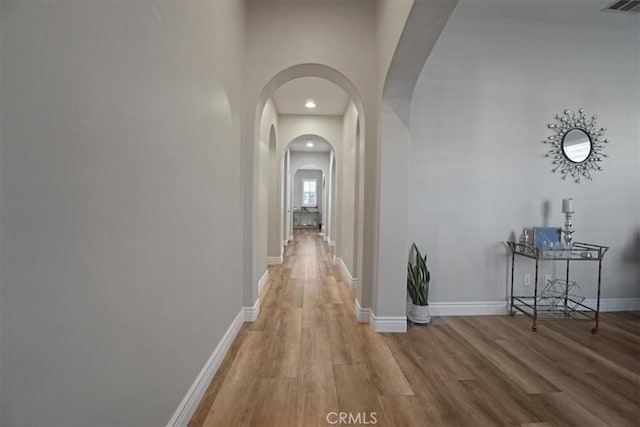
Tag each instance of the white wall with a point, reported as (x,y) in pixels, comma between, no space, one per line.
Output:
(402,47)
(287,202)
(292,126)
(264,196)
(477,171)
(301,159)
(391,16)
(390,295)
(120,204)
(333,220)
(274,215)
(409,41)
(1,287)
(346,188)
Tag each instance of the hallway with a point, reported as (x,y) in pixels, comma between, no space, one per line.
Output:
(306,360)
(306,355)
(156,155)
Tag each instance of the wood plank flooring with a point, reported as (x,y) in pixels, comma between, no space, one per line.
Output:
(306,360)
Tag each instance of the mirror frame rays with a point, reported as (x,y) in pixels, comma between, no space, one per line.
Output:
(566,166)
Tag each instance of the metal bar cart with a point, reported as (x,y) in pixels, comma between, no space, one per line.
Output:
(559,300)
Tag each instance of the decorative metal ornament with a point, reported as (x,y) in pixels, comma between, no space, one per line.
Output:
(577,145)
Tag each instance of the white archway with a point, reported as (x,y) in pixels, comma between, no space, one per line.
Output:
(250,198)
(298,160)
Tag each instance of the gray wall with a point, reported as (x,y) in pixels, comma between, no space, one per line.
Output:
(120,257)
(477,171)
(1,287)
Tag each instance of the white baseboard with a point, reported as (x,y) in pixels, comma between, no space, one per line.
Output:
(344,270)
(291,238)
(482,308)
(362,314)
(251,313)
(285,243)
(465,308)
(274,260)
(387,323)
(189,403)
(615,304)
(263,281)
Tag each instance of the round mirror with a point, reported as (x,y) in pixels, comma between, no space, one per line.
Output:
(576,145)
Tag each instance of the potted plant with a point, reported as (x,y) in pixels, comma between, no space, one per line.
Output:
(418,277)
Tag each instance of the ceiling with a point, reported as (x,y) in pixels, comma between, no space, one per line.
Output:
(291,97)
(319,144)
(570,12)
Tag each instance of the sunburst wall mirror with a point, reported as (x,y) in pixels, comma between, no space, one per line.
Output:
(576,146)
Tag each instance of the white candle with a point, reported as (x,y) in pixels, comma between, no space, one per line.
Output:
(567,205)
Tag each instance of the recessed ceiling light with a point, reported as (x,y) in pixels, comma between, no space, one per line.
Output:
(310,104)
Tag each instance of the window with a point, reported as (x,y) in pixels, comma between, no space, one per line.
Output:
(309,192)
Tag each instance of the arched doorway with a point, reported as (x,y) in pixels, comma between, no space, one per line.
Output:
(354,223)
(306,162)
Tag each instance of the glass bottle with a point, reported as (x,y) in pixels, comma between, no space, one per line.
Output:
(524,239)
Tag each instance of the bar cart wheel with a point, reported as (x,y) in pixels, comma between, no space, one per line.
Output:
(534,328)
(594,331)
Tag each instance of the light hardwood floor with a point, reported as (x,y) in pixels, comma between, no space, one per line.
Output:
(306,359)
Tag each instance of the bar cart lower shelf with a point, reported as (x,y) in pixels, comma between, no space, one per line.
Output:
(559,298)
(306,218)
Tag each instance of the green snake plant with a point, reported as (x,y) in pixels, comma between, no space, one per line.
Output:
(418,277)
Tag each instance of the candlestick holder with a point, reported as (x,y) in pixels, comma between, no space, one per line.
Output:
(568,229)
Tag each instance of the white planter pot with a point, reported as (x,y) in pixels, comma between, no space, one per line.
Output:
(419,314)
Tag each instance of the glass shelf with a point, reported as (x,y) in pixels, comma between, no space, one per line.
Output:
(578,252)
